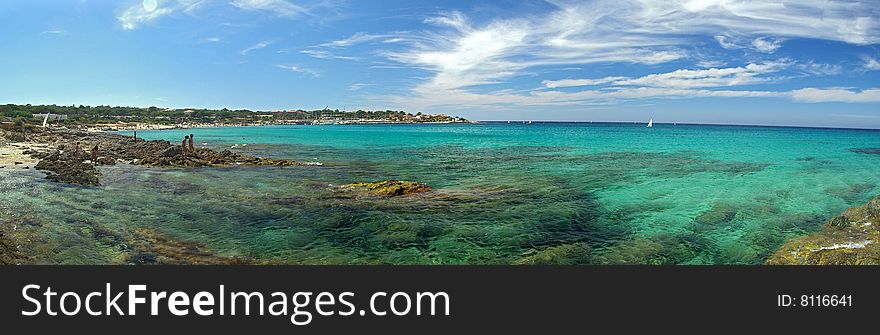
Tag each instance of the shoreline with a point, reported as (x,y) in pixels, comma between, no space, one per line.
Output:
(96,128)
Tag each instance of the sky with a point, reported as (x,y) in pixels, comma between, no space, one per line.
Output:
(784,62)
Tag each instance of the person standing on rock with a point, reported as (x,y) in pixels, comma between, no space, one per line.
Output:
(95,154)
(191,148)
(183,145)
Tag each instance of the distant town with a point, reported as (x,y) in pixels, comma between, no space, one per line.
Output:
(126,118)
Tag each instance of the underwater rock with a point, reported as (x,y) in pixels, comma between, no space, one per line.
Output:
(153,247)
(718,214)
(852,238)
(869,151)
(663,249)
(387,188)
(565,254)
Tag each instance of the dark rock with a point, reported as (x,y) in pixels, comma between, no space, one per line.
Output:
(387,188)
(869,151)
(718,214)
(66,164)
(171,152)
(68,169)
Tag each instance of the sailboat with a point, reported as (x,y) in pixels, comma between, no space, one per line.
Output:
(651,123)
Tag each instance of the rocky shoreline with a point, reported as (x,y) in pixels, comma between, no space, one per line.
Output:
(851,238)
(64,155)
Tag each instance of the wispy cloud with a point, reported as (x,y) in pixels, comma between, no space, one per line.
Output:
(55,32)
(359,37)
(321,54)
(139,13)
(297,69)
(836,95)
(871,63)
(211,40)
(258,46)
(134,16)
(358,86)
(760,44)
(820,69)
(686,78)
(278,7)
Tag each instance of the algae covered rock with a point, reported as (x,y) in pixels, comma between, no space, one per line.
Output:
(387,188)
(852,238)
(718,214)
(565,254)
(69,168)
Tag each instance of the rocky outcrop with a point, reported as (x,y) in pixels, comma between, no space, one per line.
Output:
(852,238)
(67,163)
(387,188)
(10,254)
(68,168)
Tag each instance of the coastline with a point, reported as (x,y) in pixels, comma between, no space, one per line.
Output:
(154,126)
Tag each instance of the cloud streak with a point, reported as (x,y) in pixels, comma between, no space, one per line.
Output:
(258,46)
(278,7)
(297,69)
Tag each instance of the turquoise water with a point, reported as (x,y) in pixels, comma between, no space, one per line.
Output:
(504,193)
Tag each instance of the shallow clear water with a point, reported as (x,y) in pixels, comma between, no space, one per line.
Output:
(672,194)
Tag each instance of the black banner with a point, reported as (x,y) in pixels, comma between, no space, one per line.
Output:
(534,299)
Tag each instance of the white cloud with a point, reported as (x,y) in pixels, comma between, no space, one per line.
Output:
(138,14)
(358,86)
(685,78)
(297,69)
(820,69)
(278,7)
(141,12)
(871,64)
(761,44)
(55,32)
(359,37)
(258,46)
(580,82)
(814,95)
(766,45)
(321,54)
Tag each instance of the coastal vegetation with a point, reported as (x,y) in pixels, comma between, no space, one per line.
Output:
(109,115)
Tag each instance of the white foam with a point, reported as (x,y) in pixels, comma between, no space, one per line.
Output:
(847,245)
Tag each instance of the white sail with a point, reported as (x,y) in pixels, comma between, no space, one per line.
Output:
(650,123)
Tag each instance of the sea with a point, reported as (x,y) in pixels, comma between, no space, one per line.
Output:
(502,193)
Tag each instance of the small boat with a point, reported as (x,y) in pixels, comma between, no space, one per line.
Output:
(508,121)
(651,123)
(530,121)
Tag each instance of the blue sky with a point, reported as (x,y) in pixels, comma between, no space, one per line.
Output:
(807,62)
